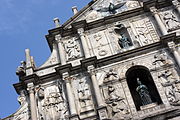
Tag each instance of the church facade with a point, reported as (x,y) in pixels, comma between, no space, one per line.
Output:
(113,60)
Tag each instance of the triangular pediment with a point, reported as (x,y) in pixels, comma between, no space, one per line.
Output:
(101,8)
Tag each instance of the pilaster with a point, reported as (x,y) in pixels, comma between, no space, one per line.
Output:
(162,27)
(173,49)
(30,88)
(102,112)
(61,50)
(176,4)
(84,42)
(71,101)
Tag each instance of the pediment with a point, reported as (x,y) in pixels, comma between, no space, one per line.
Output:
(102,8)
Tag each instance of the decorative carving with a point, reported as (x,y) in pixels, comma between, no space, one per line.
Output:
(170,83)
(144,31)
(161,59)
(170,20)
(84,94)
(144,93)
(176,3)
(21,69)
(55,102)
(22,97)
(117,104)
(132,4)
(110,76)
(112,8)
(72,49)
(98,38)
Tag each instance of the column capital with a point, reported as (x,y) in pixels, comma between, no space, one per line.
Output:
(30,87)
(80,31)
(91,69)
(58,38)
(172,45)
(176,3)
(153,10)
(67,78)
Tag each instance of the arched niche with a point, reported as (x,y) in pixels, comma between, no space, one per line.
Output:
(145,77)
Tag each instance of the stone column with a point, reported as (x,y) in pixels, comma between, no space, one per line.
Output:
(30,88)
(61,49)
(84,42)
(102,111)
(162,27)
(72,106)
(173,49)
(176,4)
(178,47)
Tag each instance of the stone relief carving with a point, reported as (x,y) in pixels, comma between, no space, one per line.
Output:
(116,104)
(110,76)
(161,59)
(170,20)
(84,94)
(144,31)
(51,103)
(22,97)
(72,49)
(100,44)
(170,82)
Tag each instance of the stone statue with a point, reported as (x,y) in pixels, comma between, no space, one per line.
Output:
(171,20)
(116,103)
(111,75)
(144,93)
(21,69)
(124,42)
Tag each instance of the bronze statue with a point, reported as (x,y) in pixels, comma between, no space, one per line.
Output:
(144,93)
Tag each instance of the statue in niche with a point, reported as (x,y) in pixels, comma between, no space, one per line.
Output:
(110,76)
(123,41)
(84,94)
(116,103)
(112,8)
(72,49)
(124,38)
(144,93)
(171,21)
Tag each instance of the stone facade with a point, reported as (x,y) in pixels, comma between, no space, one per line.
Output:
(114,60)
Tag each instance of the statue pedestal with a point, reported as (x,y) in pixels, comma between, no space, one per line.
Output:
(148,106)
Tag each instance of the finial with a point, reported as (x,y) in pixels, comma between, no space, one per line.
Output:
(57,22)
(74,9)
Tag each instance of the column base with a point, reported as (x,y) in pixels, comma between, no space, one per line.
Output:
(102,113)
(74,117)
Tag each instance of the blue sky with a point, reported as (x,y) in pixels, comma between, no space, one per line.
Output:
(24,24)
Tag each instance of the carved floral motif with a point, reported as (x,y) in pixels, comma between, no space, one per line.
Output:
(72,49)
